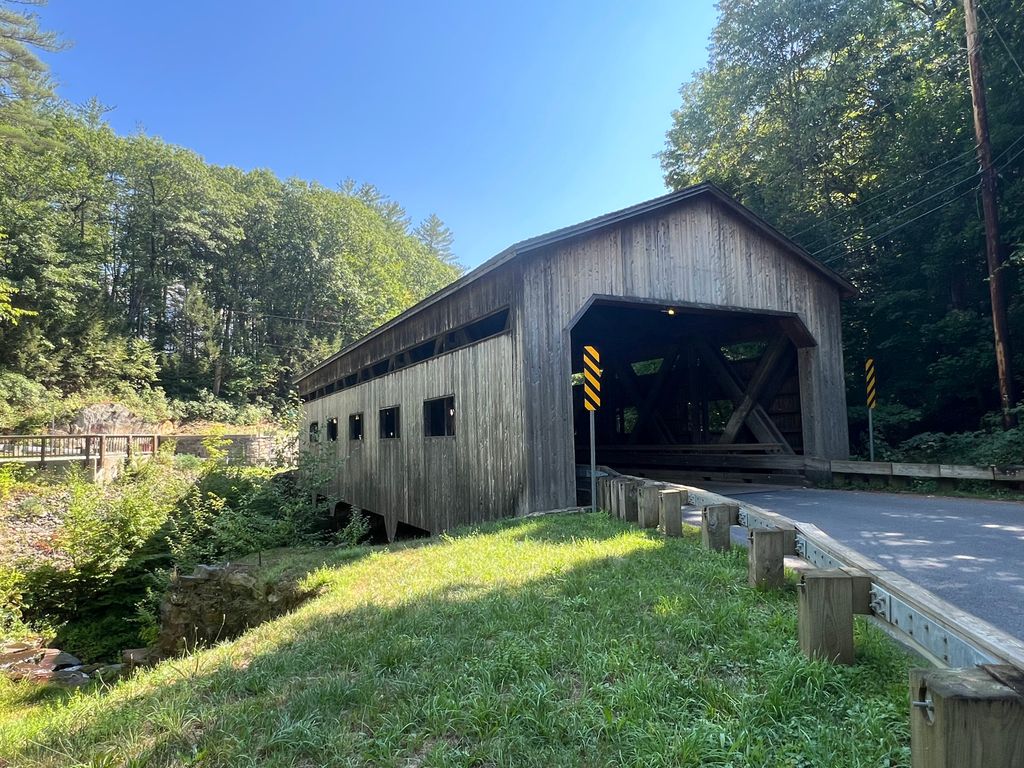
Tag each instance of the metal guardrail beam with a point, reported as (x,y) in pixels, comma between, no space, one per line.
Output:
(941,632)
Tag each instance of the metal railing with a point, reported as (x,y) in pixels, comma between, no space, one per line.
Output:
(972,699)
(942,633)
(43,449)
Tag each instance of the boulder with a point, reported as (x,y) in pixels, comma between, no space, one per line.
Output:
(42,665)
(106,419)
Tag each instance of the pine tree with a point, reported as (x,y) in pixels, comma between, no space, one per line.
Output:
(434,234)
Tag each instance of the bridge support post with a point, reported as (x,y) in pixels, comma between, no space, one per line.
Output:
(670,510)
(965,718)
(715,520)
(764,563)
(825,615)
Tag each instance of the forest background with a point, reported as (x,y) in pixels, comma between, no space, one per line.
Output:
(132,269)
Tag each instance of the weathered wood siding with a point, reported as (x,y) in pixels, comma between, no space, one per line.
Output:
(697,252)
(436,483)
(498,289)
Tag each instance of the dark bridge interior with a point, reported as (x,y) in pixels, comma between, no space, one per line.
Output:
(689,388)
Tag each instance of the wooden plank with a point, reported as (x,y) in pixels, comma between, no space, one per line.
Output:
(915,470)
(965,472)
(1008,474)
(626,457)
(862,467)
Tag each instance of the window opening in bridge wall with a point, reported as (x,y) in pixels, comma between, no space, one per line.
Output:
(439,417)
(355,426)
(332,429)
(744,350)
(314,431)
(719,412)
(627,419)
(647,367)
(486,327)
(390,426)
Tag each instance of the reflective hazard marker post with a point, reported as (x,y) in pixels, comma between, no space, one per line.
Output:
(592,401)
(869,380)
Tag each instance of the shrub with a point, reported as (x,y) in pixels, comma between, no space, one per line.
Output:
(12,584)
(100,588)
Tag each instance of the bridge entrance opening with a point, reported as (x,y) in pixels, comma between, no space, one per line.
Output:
(691,390)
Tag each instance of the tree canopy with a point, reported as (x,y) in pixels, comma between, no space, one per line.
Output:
(128,261)
(847,123)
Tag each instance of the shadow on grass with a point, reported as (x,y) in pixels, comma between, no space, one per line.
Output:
(568,640)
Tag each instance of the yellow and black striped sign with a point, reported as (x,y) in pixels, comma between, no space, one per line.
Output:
(591,378)
(869,376)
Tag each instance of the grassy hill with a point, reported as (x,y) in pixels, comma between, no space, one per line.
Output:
(556,641)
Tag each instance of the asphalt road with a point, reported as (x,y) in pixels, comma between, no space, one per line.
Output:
(968,551)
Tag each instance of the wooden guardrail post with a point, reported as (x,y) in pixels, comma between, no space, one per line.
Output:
(765,558)
(965,718)
(627,501)
(715,521)
(103,449)
(128,448)
(825,615)
(614,505)
(602,484)
(648,506)
(670,510)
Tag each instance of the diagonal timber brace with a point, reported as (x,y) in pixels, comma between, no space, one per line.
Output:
(757,418)
(762,388)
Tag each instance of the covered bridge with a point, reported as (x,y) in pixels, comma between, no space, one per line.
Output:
(720,347)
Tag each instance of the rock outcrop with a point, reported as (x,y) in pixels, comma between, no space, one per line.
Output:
(218,603)
(107,419)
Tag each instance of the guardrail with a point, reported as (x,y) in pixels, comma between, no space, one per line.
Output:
(1014,474)
(974,700)
(712,463)
(43,449)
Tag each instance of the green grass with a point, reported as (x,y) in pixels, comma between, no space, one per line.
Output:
(569,640)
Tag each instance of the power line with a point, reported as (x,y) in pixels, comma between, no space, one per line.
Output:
(898,227)
(939,178)
(287,317)
(897,213)
(891,190)
(995,29)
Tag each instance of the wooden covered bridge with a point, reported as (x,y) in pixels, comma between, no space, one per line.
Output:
(720,344)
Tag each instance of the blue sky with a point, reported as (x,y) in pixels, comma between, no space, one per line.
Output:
(507,120)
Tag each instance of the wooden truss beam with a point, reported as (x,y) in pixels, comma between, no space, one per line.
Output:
(757,418)
(761,388)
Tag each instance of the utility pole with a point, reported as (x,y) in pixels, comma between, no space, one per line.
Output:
(993,249)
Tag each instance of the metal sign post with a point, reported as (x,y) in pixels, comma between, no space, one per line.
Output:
(869,377)
(592,401)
